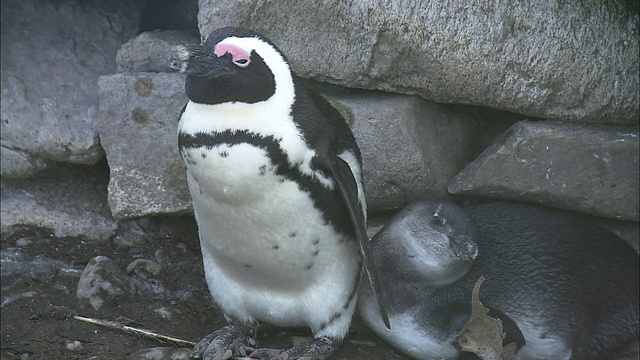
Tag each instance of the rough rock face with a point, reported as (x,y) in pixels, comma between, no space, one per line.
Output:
(569,61)
(409,145)
(49,72)
(583,168)
(69,201)
(138,130)
(148,51)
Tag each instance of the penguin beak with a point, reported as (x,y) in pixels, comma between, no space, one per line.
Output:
(464,247)
(197,60)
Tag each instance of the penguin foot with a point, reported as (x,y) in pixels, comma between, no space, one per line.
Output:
(319,349)
(222,344)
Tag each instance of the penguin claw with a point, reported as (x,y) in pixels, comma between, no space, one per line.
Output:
(224,343)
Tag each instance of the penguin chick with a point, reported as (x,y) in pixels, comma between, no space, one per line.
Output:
(569,286)
(275,177)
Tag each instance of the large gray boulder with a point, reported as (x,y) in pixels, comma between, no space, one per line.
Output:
(50,66)
(138,129)
(584,168)
(570,61)
(70,201)
(410,147)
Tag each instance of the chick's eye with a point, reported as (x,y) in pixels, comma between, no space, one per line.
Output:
(437,220)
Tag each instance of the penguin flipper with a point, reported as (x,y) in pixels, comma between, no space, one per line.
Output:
(346,184)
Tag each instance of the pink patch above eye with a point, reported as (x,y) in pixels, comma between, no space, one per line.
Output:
(239,56)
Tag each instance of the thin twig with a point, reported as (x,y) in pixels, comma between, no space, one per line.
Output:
(129,329)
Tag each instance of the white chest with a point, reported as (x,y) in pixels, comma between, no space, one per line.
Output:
(408,334)
(234,174)
(269,253)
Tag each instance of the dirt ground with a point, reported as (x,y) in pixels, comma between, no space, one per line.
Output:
(40,275)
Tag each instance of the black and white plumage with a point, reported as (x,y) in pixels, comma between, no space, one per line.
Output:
(568,286)
(276,181)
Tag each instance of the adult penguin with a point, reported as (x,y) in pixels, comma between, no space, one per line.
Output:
(276,181)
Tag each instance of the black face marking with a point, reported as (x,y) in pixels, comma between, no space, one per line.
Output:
(308,267)
(316,241)
(224,154)
(293,234)
(276,247)
(216,80)
(315,253)
(204,155)
(329,202)
(248,266)
(262,170)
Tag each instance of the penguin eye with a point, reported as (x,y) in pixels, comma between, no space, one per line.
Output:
(242,62)
(239,56)
(437,220)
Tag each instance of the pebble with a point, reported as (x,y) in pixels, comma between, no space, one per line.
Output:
(161,353)
(74,345)
(101,276)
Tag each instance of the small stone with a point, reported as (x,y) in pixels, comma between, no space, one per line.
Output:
(164,313)
(161,353)
(145,265)
(101,277)
(23,242)
(74,345)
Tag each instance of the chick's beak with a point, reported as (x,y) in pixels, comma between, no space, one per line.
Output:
(464,247)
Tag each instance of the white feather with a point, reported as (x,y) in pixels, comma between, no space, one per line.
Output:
(409,335)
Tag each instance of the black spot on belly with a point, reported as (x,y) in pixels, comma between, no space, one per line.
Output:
(308,267)
(204,155)
(262,169)
(315,253)
(188,159)
(316,241)
(248,266)
(224,154)
(276,247)
(293,234)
